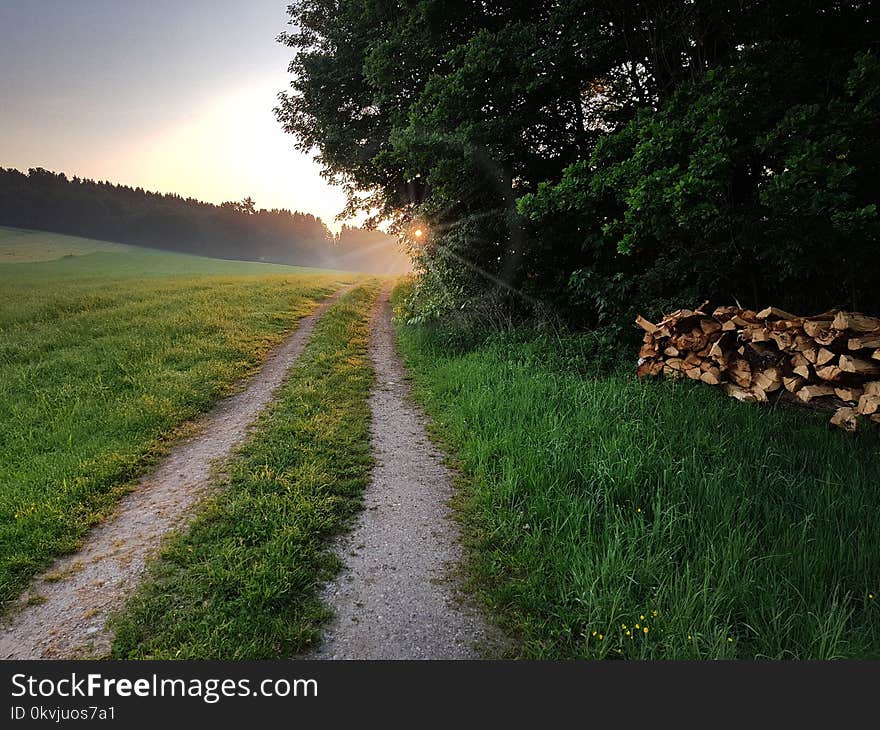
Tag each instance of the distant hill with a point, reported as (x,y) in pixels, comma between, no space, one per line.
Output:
(50,201)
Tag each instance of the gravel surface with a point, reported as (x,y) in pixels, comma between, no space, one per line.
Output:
(63,614)
(397,597)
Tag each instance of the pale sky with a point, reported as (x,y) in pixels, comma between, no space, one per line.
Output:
(169,95)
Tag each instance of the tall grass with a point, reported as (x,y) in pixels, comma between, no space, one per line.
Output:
(242,582)
(102,358)
(615,518)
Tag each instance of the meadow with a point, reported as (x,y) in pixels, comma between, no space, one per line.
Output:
(19,245)
(107,353)
(612,518)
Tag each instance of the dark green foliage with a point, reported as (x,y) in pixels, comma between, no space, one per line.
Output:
(732,190)
(597,157)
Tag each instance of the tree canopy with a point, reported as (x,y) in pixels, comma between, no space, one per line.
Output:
(606,156)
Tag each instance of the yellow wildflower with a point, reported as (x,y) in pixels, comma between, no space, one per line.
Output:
(628,633)
(642,617)
(594,633)
(645,629)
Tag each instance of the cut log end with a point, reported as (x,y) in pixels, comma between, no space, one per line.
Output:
(846,418)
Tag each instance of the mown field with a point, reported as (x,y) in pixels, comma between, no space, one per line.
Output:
(608,517)
(241,581)
(106,352)
(19,245)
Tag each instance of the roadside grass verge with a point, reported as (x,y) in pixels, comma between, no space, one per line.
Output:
(104,358)
(612,518)
(242,581)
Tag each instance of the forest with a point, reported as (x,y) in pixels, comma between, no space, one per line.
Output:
(594,160)
(44,200)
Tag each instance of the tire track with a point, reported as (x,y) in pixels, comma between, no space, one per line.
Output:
(397,597)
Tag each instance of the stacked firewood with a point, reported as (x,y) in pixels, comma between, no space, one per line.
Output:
(830,361)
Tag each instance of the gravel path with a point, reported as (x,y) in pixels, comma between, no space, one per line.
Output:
(397,597)
(64,612)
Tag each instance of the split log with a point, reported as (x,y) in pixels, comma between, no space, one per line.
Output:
(650,367)
(824,356)
(863,343)
(816,327)
(776,313)
(768,380)
(850,395)
(808,392)
(830,373)
(801,366)
(869,404)
(858,366)
(856,322)
(649,327)
(783,340)
(740,372)
(712,376)
(845,418)
(741,394)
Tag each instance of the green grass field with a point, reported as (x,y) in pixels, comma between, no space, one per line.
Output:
(104,357)
(609,517)
(19,245)
(241,582)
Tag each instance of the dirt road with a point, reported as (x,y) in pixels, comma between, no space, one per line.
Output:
(64,612)
(398,597)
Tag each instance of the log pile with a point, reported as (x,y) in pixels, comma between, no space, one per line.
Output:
(830,361)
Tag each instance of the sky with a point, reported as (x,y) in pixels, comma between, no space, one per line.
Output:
(174,96)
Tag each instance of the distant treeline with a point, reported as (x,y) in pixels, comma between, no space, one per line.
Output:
(51,201)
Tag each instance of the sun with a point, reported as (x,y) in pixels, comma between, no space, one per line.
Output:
(418,233)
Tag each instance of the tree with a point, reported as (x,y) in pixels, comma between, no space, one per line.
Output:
(590,154)
(245,207)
